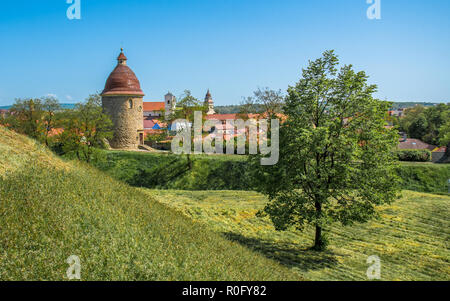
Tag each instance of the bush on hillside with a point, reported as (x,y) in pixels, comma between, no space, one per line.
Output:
(414,155)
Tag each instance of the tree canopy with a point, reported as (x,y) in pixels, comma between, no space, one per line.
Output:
(336,161)
(426,123)
(86,128)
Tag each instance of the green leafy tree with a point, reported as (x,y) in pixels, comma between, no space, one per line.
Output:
(336,160)
(34,117)
(86,129)
(436,116)
(425,123)
(418,128)
(410,115)
(186,107)
(156,138)
(26,116)
(444,131)
(50,108)
(263,101)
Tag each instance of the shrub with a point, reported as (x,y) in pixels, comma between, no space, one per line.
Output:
(430,178)
(414,155)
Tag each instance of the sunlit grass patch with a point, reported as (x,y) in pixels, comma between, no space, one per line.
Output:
(411,237)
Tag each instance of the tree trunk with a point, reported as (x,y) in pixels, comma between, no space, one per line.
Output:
(189,162)
(447,151)
(88,155)
(319,242)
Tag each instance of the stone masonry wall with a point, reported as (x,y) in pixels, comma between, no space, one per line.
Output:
(127,122)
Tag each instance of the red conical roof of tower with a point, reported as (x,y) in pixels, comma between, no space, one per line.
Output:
(122,81)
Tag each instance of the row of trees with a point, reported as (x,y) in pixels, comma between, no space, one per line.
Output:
(76,132)
(429,124)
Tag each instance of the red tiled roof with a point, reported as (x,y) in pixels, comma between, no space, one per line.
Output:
(415,144)
(153,106)
(55,132)
(149,124)
(442,149)
(153,132)
(222,116)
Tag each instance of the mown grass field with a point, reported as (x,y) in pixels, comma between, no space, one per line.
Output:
(411,237)
(51,209)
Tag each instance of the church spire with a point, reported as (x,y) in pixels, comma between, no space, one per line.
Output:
(208,97)
(210,103)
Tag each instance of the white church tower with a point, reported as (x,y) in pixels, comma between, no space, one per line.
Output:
(210,103)
(170,103)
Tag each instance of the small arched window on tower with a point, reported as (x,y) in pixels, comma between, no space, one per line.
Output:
(130,103)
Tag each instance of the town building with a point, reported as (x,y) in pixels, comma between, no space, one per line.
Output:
(397,112)
(160,109)
(409,143)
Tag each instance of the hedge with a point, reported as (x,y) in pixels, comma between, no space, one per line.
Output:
(166,171)
(414,155)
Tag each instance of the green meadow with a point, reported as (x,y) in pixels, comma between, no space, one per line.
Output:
(411,236)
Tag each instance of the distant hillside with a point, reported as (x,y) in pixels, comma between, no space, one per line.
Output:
(63,105)
(51,209)
(404,105)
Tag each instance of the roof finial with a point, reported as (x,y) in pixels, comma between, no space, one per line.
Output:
(122,58)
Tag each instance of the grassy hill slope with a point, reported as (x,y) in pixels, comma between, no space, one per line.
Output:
(411,237)
(51,209)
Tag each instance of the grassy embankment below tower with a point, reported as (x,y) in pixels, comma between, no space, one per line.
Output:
(51,209)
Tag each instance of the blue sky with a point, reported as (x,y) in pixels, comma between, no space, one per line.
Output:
(229,46)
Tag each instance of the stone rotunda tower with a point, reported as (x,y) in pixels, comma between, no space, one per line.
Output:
(122,100)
